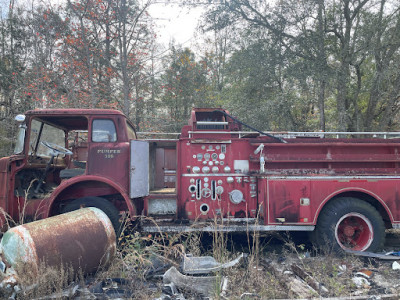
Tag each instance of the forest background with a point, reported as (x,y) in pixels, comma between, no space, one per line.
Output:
(292,65)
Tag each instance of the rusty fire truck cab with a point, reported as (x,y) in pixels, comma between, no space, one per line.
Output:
(65,159)
(214,175)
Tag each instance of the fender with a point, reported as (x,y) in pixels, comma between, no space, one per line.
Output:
(353,189)
(79,179)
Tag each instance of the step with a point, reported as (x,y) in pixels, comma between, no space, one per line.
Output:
(161,205)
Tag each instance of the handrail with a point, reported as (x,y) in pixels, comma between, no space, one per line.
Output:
(155,133)
(211,123)
(339,134)
(293,134)
(290,134)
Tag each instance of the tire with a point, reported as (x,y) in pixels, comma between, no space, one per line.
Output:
(100,203)
(349,224)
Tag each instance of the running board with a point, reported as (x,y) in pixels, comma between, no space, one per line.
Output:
(174,228)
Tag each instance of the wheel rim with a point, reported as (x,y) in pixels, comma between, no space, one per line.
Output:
(354,232)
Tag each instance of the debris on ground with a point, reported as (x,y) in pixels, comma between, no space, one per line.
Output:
(170,291)
(289,280)
(288,274)
(206,264)
(310,280)
(382,256)
(157,266)
(365,273)
(361,282)
(205,285)
(395,265)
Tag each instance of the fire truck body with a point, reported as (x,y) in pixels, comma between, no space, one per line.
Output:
(258,182)
(214,176)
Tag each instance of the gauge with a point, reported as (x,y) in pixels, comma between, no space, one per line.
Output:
(206,193)
(219,190)
(206,169)
(214,156)
(199,156)
(196,169)
(215,169)
(210,147)
(221,156)
(236,196)
(207,156)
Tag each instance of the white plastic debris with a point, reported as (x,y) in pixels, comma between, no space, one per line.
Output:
(361,282)
(206,264)
(343,268)
(395,265)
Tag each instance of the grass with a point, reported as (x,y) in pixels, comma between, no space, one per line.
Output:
(265,274)
(253,279)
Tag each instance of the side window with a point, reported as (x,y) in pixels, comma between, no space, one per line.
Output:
(103,131)
(131,132)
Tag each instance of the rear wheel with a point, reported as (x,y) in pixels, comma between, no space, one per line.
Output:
(100,203)
(350,224)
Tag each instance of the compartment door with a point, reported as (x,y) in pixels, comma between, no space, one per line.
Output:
(289,202)
(139,169)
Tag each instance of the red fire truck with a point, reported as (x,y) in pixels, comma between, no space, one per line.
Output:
(344,190)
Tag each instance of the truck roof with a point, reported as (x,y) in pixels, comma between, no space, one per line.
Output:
(72,118)
(74,111)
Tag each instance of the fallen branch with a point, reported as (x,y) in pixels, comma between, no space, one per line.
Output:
(309,279)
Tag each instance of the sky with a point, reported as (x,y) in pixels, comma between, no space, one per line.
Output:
(174,22)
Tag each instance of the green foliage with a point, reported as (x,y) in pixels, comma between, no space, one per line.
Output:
(313,64)
(184,86)
(289,65)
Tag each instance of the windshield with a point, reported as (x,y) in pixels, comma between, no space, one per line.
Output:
(19,145)
(43,132)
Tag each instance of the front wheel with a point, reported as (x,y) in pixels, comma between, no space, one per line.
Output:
(100,203)
(350,224)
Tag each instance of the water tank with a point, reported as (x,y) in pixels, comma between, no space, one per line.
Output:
(83,239)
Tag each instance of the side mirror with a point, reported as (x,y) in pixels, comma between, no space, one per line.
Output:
(20,118)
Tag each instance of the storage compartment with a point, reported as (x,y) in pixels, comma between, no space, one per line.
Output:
(163,164)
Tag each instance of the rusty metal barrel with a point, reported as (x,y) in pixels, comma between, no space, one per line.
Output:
(83,239)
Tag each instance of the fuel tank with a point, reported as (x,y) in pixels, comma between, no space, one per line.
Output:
(83,239)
